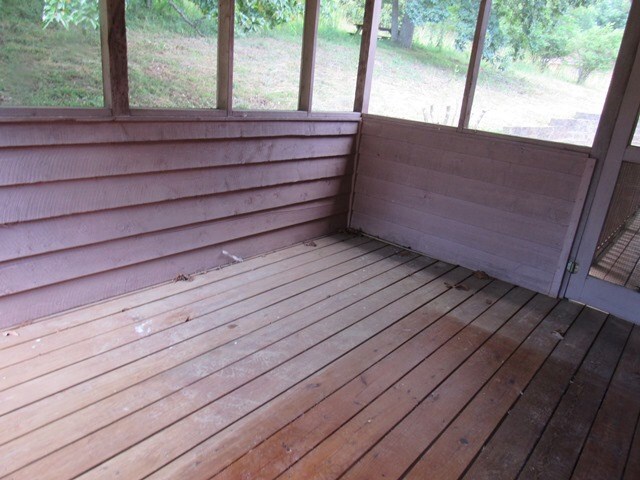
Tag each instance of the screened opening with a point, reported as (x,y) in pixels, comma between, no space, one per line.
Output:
(337,54)
(635,141)
(267,54)
(617,258)
(420,70)
(172,49)
(50,54)
(545,71)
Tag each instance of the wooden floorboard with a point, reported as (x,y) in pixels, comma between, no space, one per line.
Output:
(613,429)
(262,291)
(339,358)
(559,447)
(632,468)
(185,362)
(323,417)
(505,453)
(77,317)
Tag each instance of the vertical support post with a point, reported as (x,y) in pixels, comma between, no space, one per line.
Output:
(395,13)
(619,83)
(611,140)
(474,63)
(113,39)
(367,55)
(308,62)
(226,18)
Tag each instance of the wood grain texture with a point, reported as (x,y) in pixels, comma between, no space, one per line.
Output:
(513,175)
(366,61)
(450,454)
(508,208)
(173,311)
(609,442)
(308,61)
(226,23)
(81,321)
(526,276)
(170,369)
(559,447)
(66,133)
(34,272)
(338,358)
(474,63)
(632,469)
(307,350)
(522,251)
(113,36)
(503,456)
(87,216)
(58,297)
(522,203)
(33,202)
(496,148)
(266,460)
(509,224)
(436,406)
(34,238)
(57,163)
(307,305)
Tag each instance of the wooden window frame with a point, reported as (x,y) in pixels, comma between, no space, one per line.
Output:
(484,13)
(116,88)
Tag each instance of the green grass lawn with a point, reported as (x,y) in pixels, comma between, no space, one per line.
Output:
(170,66)
(52,67)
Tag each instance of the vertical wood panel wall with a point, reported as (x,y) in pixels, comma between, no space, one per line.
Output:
(90,210)
(505,207)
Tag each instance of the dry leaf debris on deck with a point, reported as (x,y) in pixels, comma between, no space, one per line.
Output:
(311,243)
(457,286)
(480,275)
(10,333)
(182,278)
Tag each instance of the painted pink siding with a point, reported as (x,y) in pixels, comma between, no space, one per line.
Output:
(508,208)
(90,210)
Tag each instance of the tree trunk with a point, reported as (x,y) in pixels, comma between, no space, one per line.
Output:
(395,12)
(583,74)
(405,36)
(148,3)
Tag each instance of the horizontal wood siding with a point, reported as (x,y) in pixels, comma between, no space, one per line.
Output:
(96,209)
(505,207)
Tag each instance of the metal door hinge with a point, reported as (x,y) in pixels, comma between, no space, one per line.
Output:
(572,266)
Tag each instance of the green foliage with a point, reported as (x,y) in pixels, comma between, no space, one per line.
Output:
(596,49)
(585,33)
(30,75)
(256,15)
(611,12)
(549,42)
(422,12)
(353,10)
(596,36)
(542,30)
(81,13)
(251,15)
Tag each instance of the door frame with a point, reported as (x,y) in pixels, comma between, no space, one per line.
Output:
(580,286)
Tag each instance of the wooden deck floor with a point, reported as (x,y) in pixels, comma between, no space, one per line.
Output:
(619,263)
(339,358)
